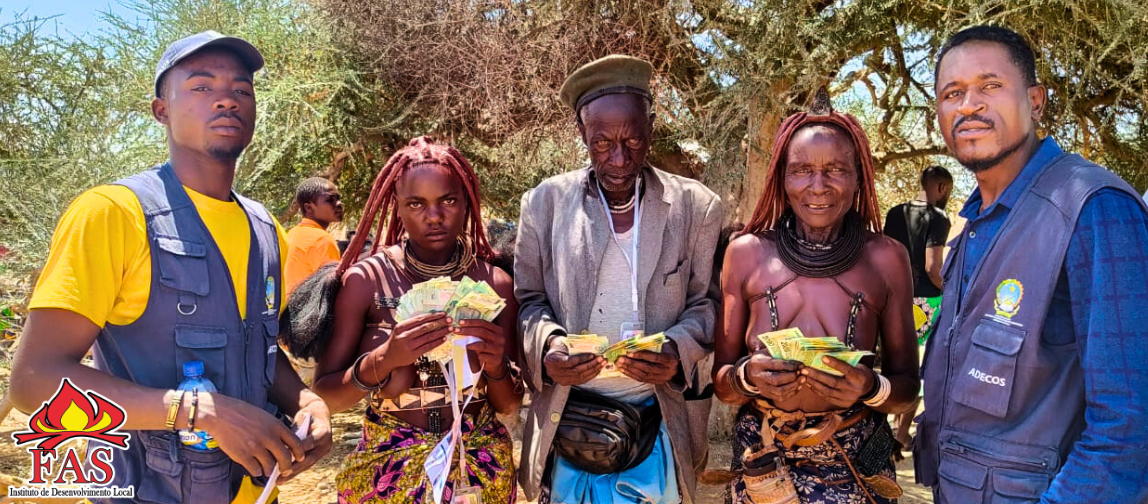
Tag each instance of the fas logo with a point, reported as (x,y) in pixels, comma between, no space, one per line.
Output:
(73,414)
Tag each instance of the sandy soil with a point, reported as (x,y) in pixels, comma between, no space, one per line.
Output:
(317,485)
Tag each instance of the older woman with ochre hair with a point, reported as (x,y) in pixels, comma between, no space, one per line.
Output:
(813,258)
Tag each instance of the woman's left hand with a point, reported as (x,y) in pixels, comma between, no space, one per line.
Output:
(491,350)
(839,391)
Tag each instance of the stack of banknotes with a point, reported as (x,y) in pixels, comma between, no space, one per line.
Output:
(791,344)
(461,300)
(600,345)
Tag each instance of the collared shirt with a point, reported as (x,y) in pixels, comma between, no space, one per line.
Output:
(982,227)
(309,246)
(1100,303)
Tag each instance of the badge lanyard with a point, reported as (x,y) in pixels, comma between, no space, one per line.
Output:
(631,260)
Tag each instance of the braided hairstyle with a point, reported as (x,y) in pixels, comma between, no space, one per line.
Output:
(774,203)
(421,150)
(310,311)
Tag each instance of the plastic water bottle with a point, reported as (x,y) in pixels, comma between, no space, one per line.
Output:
(193,379)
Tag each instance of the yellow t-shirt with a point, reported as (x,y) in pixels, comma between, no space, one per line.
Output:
(99,264)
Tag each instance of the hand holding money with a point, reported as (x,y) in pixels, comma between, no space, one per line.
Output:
(412,338)
(776,379)
(791,344)
(647,366)
(569,369)
(491,350)
(840,391)
(465,299)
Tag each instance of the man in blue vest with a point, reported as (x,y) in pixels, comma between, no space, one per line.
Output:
(1035,388)
(171,266)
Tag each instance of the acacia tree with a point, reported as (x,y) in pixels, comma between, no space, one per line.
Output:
(486,72)
(76,112)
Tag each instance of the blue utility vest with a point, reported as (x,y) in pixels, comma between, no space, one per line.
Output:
(1003,407)
(192,314)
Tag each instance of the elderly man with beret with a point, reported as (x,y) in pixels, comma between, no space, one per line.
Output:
(617,249)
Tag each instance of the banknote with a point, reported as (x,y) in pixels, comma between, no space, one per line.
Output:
(792,344)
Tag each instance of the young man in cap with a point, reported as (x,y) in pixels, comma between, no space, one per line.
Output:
(309,245)
(1035,389)
(615,249)
(171,266)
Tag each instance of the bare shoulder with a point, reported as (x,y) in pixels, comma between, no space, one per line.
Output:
(498,279)
(884,248)
(888,257)
(751,245)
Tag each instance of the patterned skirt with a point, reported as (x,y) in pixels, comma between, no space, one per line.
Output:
(820,474)
(387,465)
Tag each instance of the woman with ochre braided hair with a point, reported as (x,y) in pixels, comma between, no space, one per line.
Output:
(812,257)
(433,227)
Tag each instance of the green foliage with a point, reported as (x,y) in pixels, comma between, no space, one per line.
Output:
(77,113)
(350,81)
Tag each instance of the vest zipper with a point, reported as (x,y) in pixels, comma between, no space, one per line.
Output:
(245,327)
(963,448)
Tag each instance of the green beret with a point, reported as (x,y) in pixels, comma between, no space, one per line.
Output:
(614,74)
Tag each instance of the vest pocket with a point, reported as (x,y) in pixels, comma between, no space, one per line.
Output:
(271,326)
(1018,473)
(985,379)
(1018,486)
(187,478)
(182,265)
(962,480)
(202,343)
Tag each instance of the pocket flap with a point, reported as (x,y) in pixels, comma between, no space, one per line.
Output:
(160,461)
(1019,484)
(998,337)
(272,326)
(181,247)
(200,337)
(963,472)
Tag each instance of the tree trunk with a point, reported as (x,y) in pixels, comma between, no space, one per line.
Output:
(764,118)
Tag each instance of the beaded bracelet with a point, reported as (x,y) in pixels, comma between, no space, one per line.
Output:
(884,389)
(194,408)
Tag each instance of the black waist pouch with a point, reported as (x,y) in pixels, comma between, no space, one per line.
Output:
(600,435)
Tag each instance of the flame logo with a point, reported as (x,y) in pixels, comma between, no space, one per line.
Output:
(70,414)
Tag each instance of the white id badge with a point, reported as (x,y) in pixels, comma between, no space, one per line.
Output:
(632,329)
(467,495)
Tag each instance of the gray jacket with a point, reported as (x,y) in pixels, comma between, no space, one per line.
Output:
(562,237)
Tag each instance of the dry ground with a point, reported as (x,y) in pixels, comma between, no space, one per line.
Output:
(317,485)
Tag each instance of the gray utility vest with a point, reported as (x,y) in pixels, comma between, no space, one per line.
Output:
(1003,407)
(191,314)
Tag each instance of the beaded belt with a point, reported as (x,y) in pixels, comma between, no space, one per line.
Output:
(422,398)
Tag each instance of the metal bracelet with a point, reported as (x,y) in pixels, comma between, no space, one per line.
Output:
(506,361)
(355,376)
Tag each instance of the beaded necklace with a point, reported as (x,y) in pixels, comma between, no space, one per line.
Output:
(816,260)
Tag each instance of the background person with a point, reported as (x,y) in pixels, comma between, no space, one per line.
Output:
(309,245)
(923,228)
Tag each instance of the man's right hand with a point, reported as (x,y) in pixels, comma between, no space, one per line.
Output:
(248,435)
(776,379)
(412,338)
(570,370)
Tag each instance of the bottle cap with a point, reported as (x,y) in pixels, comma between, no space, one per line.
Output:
(192,368)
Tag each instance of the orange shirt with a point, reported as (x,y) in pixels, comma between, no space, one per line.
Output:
(308,247)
